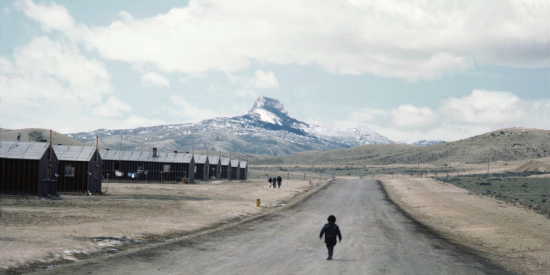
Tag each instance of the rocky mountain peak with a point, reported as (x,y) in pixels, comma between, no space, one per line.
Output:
(270,104)
(269,110)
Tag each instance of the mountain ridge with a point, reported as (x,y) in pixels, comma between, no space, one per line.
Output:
(265,129)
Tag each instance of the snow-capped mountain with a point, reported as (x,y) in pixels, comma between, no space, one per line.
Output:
(266,129)
(426,142)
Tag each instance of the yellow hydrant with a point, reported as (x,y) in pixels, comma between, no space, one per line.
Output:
(258,202)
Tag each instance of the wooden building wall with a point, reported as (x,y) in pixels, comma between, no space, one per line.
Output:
(199,171)
(235,173)
(87,176)
(74,181)
(206,175)
(96,178)
(225,172)
(243,173)
(21,176)
(215,171)
(155,171)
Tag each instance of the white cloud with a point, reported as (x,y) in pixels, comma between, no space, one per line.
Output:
(189,110)
(456,117)
(54,17)
(113,107)
(50,84)
(405,39)
(52,71)
(487,107)
(263,80)
(65,118)
(408,116)
(154,79)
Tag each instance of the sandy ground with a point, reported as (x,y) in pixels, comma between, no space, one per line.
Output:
(512,236)
(34,230)
(377,239)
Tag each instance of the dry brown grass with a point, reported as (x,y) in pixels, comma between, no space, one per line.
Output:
(501,145)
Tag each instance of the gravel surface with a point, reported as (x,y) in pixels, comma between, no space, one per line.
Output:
(510,235)
(377,239)
(39,232)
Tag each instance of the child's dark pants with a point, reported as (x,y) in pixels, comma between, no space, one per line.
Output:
(330,249)
(330,242)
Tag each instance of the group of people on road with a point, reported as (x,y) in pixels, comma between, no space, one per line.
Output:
(275,181)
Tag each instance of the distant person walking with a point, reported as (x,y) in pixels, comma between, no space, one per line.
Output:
(331,231)
(279,180)
(274,179)
(270,181)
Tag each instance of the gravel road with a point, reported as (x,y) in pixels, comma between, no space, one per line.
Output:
(377,239)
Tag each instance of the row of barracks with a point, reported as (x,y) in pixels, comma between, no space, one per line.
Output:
(179,167)
(37,168)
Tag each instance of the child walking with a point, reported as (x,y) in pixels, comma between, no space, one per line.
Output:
(331,231)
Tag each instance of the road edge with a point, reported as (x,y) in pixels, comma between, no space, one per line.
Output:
(459,246)
(294,202)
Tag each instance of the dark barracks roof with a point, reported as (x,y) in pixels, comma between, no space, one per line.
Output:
(213,159)
(225,161)
(145,156)
(200,159)
(23,150)
(73,152)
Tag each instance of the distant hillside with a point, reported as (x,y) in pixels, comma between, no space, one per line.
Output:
(35,134)
(265,129)
(361,154)
(500,145)
(426,142)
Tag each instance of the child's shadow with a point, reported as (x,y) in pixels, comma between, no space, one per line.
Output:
(344,260)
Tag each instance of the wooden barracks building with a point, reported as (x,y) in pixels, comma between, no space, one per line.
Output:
(80,169)
(27,168)
(36,168)
(148,166)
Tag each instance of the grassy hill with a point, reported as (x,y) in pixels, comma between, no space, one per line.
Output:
(35,134)
(355,155)
(501,145)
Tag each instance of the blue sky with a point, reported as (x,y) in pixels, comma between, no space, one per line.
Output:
(409,71)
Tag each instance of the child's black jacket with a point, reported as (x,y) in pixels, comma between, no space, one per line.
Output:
(330,230)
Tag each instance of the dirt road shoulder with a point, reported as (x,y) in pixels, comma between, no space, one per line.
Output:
(511,236)
(38,234)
